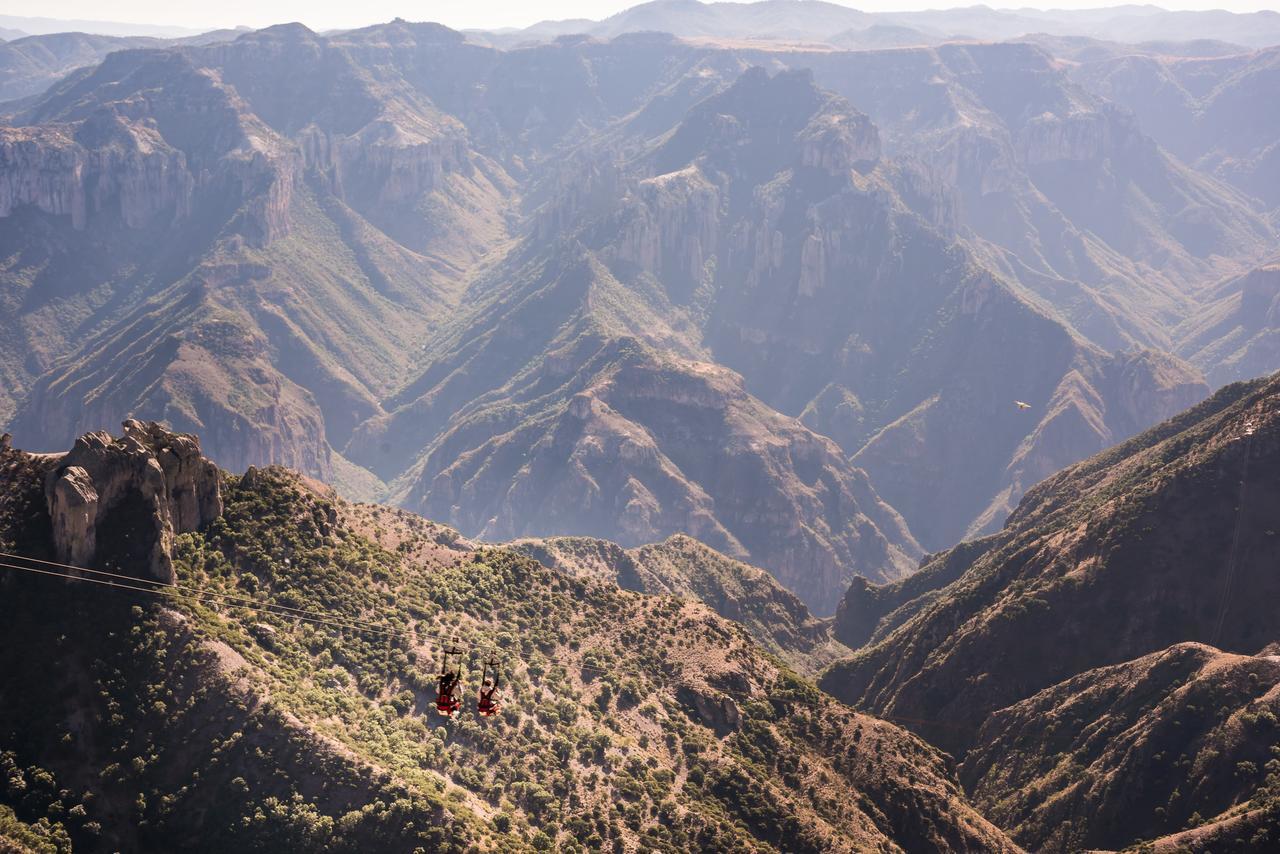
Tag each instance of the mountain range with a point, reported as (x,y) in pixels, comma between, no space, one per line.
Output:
(622,289)
(842,431)
(838,24)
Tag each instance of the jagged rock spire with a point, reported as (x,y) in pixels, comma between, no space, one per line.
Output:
(117,503)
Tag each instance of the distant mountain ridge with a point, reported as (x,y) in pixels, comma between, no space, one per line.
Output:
(39,26)
(30,64)
(810,20)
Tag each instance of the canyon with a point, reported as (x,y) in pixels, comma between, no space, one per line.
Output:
(842,431)
(500,286)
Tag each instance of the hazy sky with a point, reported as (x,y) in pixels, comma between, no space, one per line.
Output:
(328,14)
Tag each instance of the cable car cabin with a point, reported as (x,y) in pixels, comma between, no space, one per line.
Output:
(487,705)
(450,680)
(447,702)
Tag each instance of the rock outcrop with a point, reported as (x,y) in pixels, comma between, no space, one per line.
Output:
(136,176)
(669,228)
(99,147)
(117,503)
(710,708)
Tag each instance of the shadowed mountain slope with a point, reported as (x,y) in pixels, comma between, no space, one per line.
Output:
(185,724)
(1163,539)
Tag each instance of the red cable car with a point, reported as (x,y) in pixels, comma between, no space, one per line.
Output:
(447,702)
(487,705)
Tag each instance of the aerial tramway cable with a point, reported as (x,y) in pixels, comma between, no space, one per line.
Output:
(165,588)
(211,597)
(1229,583)
(248,601)
(206,597)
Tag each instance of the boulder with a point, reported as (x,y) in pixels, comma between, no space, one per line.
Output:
(710,708)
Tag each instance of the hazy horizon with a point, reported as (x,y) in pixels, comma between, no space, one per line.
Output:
(460,14)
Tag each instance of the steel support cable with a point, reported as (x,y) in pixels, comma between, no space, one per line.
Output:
(135,579)
(203,597)
(164,590)
(253,604)
(1229,583)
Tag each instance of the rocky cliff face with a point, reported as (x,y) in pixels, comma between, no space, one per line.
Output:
(112,167)
(117,503)
(654,447)
(1237,336)
(134,176)
(224,223)
(383,165)
(1081,137)
(375,141)
(92,146)
(669,228)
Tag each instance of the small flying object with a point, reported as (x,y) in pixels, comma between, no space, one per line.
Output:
(1021,404)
